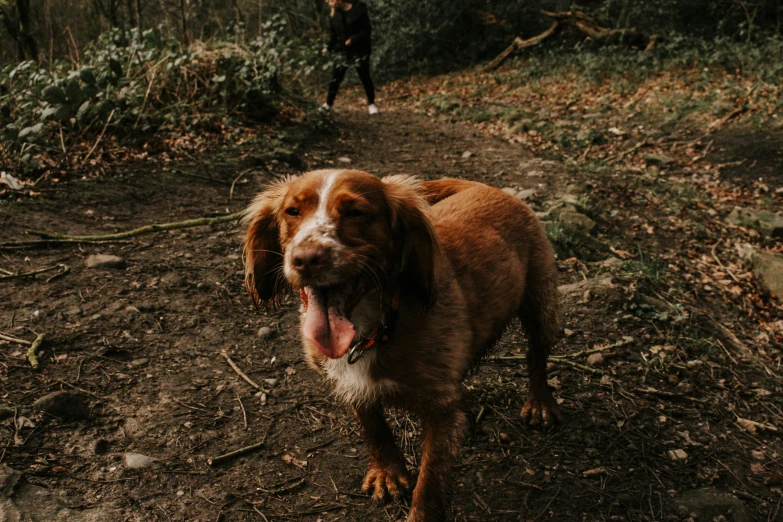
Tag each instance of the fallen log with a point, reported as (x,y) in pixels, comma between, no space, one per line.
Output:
(518,44)
(581,22)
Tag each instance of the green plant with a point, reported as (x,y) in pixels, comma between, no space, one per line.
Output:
(142,81)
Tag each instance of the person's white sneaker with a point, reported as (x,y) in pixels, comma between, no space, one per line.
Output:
(326,108)
(372,109)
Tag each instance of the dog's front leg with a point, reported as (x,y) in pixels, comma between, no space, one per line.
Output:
(444,432)
(387,474)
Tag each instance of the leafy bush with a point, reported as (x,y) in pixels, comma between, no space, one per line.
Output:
(141,81)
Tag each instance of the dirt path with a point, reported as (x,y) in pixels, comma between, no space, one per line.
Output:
(142,347)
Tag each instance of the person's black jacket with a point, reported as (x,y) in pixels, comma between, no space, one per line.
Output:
(353,24)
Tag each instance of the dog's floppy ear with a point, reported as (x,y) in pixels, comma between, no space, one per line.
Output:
(262,254)
(414,235)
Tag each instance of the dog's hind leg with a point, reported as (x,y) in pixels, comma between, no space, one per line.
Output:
(540,315)
(387,475)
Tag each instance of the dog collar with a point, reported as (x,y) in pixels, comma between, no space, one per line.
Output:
(379,334)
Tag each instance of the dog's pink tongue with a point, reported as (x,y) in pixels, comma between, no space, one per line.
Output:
(326,328)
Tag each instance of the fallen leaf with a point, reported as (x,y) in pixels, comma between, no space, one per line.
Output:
(775,479)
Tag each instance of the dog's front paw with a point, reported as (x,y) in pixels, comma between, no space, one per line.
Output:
(542,409)
(384,482)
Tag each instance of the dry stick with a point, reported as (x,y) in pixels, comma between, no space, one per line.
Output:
(240,372)
(244,413)
(519,43)
(31,354)
(576,365)
(100,136)
(241,451)
(148,229)
(12,339)
(555,359)
(18,245)
(64,268)
(231,192)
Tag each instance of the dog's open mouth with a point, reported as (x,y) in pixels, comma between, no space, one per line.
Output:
(327,321)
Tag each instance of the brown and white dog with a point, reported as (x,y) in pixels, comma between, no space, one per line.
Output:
(405,287)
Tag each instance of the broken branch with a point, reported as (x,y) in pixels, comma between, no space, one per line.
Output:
(148,229)
(240,372)
(32,352)
(519,43)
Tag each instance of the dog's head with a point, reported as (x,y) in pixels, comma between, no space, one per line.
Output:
(339,235)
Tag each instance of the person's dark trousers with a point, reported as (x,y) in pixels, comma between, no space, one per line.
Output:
(362,69)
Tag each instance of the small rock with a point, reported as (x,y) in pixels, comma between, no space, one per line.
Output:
(595,359)
(138,461)
(344,159)
(132,309)
(684,388)
(271,382)
(105,261)
(63,404)
(510,191)
(573,220)
(526,194)
(764,222)
(136,363)
(467,154)
(758,455)
(678,455)
(658,159)
(768,269)
(100,447)
(597,285)
(568,332)
(172,279)
(265,332)
(707,504)
(9,478)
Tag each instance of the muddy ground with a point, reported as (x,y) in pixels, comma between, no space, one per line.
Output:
(142,345)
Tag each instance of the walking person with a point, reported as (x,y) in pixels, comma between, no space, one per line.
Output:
(350,32)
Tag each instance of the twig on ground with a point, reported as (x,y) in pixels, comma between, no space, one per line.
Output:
(18,245)
(12,339)
(241,451)
(244,413)
(148,229)
(547,505)
(32,354)
(233,183)
(576,365)
(241,373)
(100,136)
(555,359)
(64,269)
(622,155)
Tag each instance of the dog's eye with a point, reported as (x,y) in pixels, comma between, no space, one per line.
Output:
(292,211)
(354,212)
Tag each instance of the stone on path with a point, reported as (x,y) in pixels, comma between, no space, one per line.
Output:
(764,222)
(768,269)
(65,405)
(105,261)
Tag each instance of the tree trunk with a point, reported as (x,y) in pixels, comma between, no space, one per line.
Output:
(29,50)
(183,8)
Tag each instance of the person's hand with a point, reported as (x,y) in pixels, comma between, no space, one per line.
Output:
(348,42)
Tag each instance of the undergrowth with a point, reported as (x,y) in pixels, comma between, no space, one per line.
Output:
(140,83)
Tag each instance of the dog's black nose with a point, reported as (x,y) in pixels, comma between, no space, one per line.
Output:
(309,259)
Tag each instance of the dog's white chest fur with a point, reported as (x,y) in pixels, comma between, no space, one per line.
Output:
(353,383)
